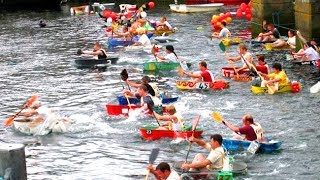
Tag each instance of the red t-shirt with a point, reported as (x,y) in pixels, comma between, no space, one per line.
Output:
(249,132)
(206,76)
(262,69)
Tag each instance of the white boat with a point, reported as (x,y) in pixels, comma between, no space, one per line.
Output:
(315,88)
(183,8)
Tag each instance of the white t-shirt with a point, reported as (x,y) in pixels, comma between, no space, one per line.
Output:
(245,57)
(168,25)
(215,157)
(312,54)
(173,175)
(144,40)
(224,32)
(292,41)
(171,57)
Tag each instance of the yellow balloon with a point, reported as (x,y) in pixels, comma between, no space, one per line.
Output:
(229,20)
(215,18)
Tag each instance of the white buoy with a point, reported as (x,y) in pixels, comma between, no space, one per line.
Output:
(315,88)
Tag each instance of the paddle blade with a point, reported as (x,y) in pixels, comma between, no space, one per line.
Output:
(216,116)
(271,89)
(124,75)
(9,121)
(153,156)
(222,46)
(195,123)
(180,71)
(31,101)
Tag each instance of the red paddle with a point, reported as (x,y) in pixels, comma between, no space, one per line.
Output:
(31,100)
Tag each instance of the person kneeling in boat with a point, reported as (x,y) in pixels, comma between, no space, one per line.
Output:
(97,52)
(214,161)
(164,171)
(146,100)
(224,33)
(203,76)
(262,67)
(143,38)
(277,78)
(170,56)
(174,121)
(252,130)
(244,56)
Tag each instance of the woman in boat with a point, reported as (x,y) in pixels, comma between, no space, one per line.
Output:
(174,121)
(244,56)
(164,24)
(312,42)
(170,56)
(214,161)
(308,53)
(277,78)
(203,76)
(153,90)
(291,42)
(272,35)
(143,38)
(164,171)
(97,52)
(224,33)
(252,130)
(262,65)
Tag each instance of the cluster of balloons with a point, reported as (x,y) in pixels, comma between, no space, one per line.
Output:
(109,14)
(217,19)
(245,10)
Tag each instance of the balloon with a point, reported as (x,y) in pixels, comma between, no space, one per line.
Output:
(218,24)
(151,5)
(215,18)
(239,13)
(248,11)
(113,16)
(215,26)
(243,7)
(106,13)
(109,20)
(221,14)
(220,18)
(143,14)
(228,14)
(229,20)
(248,17)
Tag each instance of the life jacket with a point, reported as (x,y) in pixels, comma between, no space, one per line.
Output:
(258,130)
(180,123)
(155,88)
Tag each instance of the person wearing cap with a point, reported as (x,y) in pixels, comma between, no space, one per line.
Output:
(97,52)
(174,120)
(164,24)
(170,56)
(224,33)
(143,38)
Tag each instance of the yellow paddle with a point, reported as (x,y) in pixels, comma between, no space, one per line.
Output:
(180,71)
(217,117)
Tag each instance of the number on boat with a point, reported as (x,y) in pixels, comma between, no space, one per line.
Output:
(202,85)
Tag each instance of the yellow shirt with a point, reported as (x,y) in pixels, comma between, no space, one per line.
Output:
(282,76)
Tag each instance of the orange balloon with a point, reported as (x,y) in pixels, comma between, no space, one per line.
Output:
(218,24)
(229,20)
(221,14)
(214,18)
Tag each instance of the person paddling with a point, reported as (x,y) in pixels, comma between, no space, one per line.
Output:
(97,52)
(153,90)
(277,78)
(170,56)
(244,56)
(252,130)
(164,171)
(174,121)
(203,76)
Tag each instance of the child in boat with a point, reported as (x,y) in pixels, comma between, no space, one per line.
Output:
(163,24)
(170,56)
(244,56)
(174,121)
(224,33)
(261,67)
(277,78)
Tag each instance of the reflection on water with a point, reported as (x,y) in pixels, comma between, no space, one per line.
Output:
(41,60)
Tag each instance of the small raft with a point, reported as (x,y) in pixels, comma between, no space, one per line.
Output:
(161,32)
(240,145)
(293,87)
(154,66)
(117,110)
(151,133)
(123,101)
(189,85)
(94,63)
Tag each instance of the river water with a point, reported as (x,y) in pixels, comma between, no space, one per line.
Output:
(41,60)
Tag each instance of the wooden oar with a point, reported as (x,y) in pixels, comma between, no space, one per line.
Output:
(31,100)
(153,156)
(223,48)
(194,126)
(124,76)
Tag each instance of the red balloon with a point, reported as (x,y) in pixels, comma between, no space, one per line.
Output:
(228,14)
(106,13)
(151,5)
(220,18)
(248,17)
(239,13)
(248,11)
(113,16)
(243,7)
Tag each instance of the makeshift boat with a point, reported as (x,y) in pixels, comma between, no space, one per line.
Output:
(293,87)
(239,145)
(183,8)
(97,7)
(151,133)
(80,10)
(117,110)
(231,41)
(95,63)
(268,47)
(162,32)
(238,168)
(155,66)
(243,75)
(119,42)
(123,101)
(27,126)
(164,39)
(188,85)
(147,49)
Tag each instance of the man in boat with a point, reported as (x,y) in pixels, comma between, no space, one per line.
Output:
(146,100)
(277,78)
(272,35)
(203,76)
(224,33)
(97,52)
(163,24)
(164,171)
(153,90)
(174,121)
(252,130)
(214,161)
(244,56)
(143,38)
